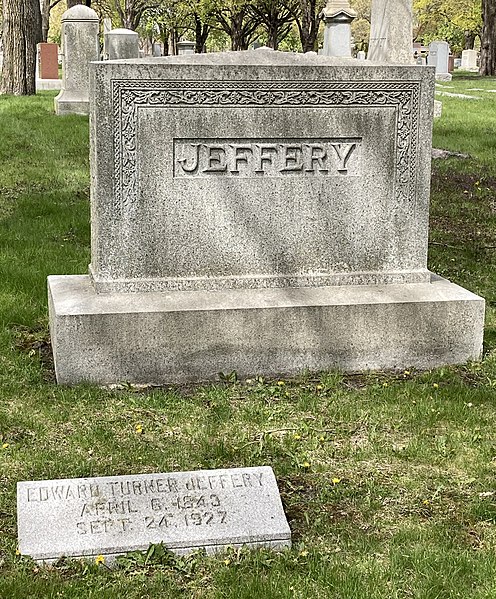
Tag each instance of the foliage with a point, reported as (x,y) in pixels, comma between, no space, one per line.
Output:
(456,21)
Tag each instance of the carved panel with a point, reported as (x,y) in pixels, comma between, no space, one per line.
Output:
(130,95)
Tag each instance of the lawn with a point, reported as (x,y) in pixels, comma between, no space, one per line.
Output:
(387,479)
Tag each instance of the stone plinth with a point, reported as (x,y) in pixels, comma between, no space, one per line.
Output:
(80,46)
(186,511)
(121,44)
(259,212)
(192,336)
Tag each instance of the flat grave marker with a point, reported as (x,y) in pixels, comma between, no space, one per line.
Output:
(186,511)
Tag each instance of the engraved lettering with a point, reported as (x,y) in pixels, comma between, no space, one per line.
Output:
(264,154)
(258,476)
(216,160)
(266,158)
(236,480)
(292,159)
(343,152)
(246,479)
(125,523)
(156,504)
(32,494)
(81,526)
(315,155)
(184,161)
(241,155)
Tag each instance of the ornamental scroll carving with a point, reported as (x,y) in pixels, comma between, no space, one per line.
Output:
(129,95)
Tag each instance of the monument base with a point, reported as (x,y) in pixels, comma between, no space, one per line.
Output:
(186,336)
(48,84)
(71,103)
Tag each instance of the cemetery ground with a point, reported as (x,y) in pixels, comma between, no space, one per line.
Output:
(388,479)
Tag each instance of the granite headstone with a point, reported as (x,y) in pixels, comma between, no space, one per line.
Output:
(263,212)
(209,509)
(391,31)
(80,46)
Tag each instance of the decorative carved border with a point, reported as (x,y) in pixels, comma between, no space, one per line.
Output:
(129,95)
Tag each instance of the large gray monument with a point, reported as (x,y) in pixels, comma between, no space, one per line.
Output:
(80,46)
(258,211)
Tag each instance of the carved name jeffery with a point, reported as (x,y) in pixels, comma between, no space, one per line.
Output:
(268,157)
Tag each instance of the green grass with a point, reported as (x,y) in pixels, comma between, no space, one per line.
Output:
(388,479)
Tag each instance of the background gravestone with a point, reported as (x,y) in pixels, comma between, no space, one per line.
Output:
(469,60)
(121,44)
(48,57)
(391,31)
(80,46)
(47,72)
(439,58)
(338,16)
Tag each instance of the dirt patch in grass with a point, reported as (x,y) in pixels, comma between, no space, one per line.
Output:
(35,342)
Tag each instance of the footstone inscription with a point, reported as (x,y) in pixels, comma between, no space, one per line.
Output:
(185,511)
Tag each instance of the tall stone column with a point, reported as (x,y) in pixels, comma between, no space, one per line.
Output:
(391,31)
(338,16)
(80,46)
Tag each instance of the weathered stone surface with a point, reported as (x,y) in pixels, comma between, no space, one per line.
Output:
(210,509)
(262,212)
(80,45)
(439,58)
(469,60)
(391,31)
(121,44)
(338,16)
(258,169)
(189,336)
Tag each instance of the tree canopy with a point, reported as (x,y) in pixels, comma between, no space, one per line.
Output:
(235,24)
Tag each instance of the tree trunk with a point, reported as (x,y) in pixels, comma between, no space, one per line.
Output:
(308,25)
(45,19)
(488,39)
(469,40)
(201,35)
(21,32)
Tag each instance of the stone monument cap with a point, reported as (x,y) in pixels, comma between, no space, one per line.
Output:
(122,31)
(80,12)
(337,7)
(260,57)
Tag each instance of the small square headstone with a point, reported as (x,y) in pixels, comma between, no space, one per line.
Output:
(186,511)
